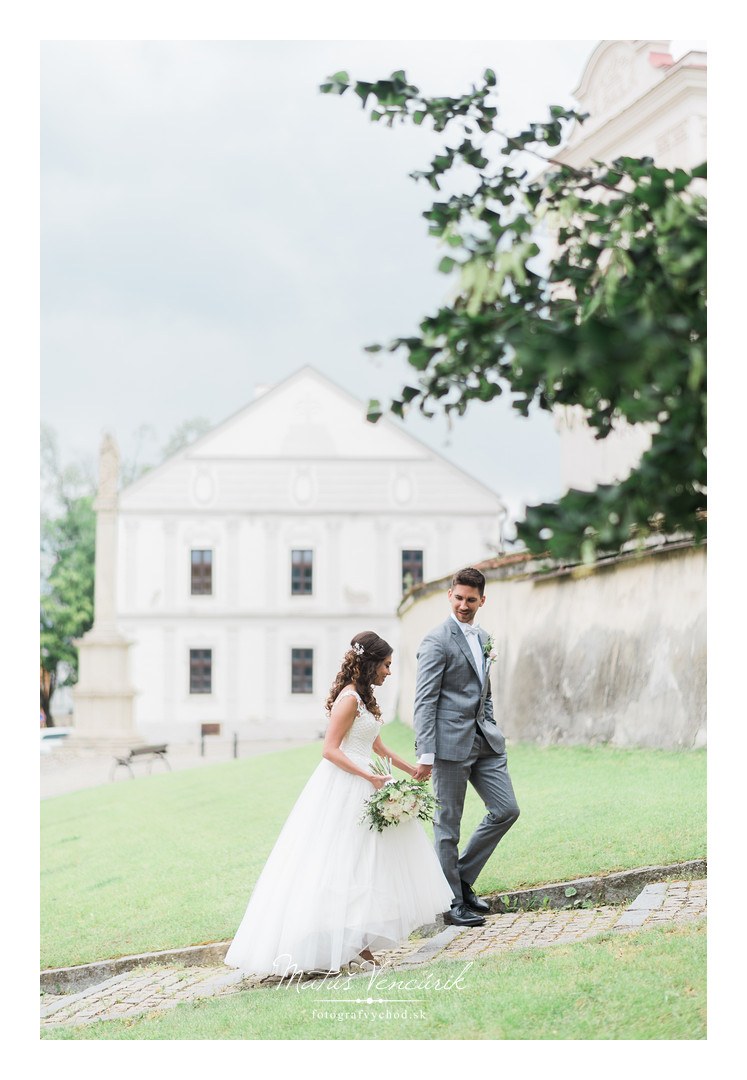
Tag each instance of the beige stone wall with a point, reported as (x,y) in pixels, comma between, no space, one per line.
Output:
(612,655)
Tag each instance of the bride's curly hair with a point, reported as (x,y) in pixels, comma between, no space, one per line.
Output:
(359,664)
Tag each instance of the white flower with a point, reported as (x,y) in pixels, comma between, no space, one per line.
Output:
(388,806)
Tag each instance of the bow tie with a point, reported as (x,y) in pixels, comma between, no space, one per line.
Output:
(470,630)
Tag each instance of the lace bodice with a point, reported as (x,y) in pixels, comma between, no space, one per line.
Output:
(359,740)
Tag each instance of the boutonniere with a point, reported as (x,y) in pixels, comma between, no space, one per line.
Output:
(489,649)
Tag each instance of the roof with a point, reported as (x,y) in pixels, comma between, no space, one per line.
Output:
(306,419)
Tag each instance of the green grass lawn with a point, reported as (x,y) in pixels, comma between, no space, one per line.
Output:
(169,860)
(648,985)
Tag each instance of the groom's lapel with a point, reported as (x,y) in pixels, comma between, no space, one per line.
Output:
(461,642)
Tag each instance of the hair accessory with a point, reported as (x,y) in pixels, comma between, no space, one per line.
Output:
(358,648)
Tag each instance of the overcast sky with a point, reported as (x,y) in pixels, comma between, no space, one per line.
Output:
(202,232)
(211,222)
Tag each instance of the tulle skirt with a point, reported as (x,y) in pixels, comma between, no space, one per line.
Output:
(332,886)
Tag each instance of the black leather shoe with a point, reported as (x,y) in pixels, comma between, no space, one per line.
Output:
(473,901)
(461,915)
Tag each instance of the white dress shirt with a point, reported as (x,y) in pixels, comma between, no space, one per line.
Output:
(473,640)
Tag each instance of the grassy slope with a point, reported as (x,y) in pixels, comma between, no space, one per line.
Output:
(649,985)
(169,860)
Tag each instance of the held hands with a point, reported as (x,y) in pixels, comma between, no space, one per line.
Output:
(422,772)
(378,781)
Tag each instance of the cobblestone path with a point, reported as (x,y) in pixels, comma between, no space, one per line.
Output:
(132,993)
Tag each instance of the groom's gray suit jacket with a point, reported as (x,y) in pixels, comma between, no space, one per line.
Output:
(448,693)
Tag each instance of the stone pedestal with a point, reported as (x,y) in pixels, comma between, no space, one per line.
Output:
(104,695)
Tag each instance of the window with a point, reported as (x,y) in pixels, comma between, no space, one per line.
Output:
(302,565)
(412,569)
(302,671)
(200,671)
(202,572)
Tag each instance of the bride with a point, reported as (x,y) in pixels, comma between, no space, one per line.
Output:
(332,889)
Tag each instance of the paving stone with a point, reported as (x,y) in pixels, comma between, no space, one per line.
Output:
(651,896)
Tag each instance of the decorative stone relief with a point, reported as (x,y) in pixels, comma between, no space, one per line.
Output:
(203,486)
(669,144)
(109,466)
(611,83)
(108,474)
(308,433)
(402,489)
(303,486)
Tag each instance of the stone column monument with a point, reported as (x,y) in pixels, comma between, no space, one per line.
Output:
(103,696)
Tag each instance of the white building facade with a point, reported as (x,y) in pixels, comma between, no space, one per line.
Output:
(641,103)
(247,561)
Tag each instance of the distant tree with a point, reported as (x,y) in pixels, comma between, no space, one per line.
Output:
(133,467)
(67,594)
(68,532)
(61,483)
(184,435)
(616,323)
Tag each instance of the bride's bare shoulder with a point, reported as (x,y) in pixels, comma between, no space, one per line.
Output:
(347,689)
(348,700)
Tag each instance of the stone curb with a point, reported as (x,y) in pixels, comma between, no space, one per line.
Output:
(616,888)
(69,979)
(607,889)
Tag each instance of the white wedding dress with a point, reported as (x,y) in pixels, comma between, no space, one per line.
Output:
(331,885)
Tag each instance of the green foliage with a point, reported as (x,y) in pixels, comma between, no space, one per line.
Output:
(616,324)
(68,532)
(67,594)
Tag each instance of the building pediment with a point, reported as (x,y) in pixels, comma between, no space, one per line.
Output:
(631,91)
(305,445)
(617,73)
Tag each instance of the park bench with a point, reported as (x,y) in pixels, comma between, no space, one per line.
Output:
(149,753)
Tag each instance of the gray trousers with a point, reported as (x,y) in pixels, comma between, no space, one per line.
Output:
(488,774)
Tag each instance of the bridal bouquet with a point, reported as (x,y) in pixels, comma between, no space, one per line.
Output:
(397,800)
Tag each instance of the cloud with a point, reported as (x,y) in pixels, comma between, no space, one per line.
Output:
(211,221)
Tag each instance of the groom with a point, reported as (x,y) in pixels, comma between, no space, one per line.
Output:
(457,738)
